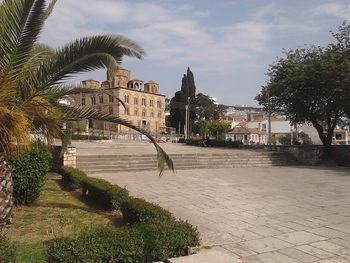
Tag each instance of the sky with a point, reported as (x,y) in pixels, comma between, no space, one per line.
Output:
(228,44)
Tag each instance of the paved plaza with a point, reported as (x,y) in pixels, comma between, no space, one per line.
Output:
(262,214)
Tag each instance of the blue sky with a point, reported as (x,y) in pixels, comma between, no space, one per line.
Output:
(228,44)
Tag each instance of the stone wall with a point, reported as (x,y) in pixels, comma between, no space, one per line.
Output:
(313,154)
(68,158)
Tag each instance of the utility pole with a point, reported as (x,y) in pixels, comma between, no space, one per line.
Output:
(269,117)
(188,119)
(186,123)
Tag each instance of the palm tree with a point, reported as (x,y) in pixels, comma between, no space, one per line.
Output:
(32,78)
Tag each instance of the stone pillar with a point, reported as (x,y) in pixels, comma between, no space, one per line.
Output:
(70,157)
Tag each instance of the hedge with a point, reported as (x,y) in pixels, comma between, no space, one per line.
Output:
(8,252)
(72,177)
(166,239)
(137,210)
(29,174)
(98,244)
(89,137)
(108,196)
(148,242)
(214,143)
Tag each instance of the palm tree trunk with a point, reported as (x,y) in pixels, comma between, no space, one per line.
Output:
(6,191)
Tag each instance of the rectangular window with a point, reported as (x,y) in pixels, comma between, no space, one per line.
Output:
(93,100)
(83,101)
(159,114)
(136,112)
(126,98)
(143,102)
(111,110)
(136,101)
(110,98)
(101,99)
(152,114)
(151,103)
(159,104)
(143,114)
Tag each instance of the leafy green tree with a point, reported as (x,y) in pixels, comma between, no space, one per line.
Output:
(201,127)
(301,136)
(186,96)
(206,109)
(218,129)
(306,86)
(32,88)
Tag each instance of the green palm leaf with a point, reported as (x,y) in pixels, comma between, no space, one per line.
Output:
(76,113)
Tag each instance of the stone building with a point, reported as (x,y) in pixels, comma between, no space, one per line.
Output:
(145,107)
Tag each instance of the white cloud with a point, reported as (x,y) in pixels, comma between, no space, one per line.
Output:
(335,9)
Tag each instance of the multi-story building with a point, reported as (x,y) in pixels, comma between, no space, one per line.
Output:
(145,107)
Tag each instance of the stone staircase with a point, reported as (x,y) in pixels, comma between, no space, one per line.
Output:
(142,162)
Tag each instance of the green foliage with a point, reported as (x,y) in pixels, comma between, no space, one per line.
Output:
(182,98)
(215,143)
(8,252)
(137,210)
(98,244)
(201,127)
(72,177)
(29,174)
(218,129)
(108,196)
(165,239)
(301,136)
(84,137)
(206,109)
(310,85)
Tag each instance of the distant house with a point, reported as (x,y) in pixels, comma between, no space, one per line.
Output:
(247,135)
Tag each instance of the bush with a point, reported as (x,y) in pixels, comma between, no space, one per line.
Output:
(29,174)
(137,210)
(89,137)
(7,251)
(107,195)
(99,244)
(215,143)
(166,239)
(72,177)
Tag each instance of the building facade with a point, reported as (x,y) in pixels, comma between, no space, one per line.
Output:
(145,107)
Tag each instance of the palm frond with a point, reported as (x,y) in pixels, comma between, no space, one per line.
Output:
(50,8)
(24,28)
(87,54)
(75,113)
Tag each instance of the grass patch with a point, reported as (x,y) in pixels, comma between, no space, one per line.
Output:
(56,213)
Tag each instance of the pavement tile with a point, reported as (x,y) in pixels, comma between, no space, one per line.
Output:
(300,237)
(239,249)
(339,259)
(342,242)
(265,231)
(341,227)
(270,257)
(266,244)
(315,251)
(326,232)
(330,247)
(295,226)
(298,254)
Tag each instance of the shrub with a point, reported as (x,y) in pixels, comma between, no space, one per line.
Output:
(89,137)
(107,195)
(7,251)
(98,244)
(165,239)
(137,210)
(72,177)
(29,174)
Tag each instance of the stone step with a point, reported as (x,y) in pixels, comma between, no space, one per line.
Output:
(179,162)
(151,168)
